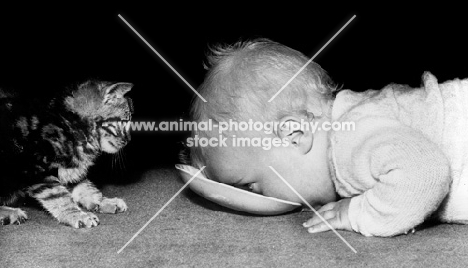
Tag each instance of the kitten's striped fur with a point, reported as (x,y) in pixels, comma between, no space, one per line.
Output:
(46,149)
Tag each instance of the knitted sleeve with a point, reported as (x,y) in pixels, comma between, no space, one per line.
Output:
(412,177)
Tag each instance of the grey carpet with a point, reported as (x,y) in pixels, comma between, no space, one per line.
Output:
(192,232)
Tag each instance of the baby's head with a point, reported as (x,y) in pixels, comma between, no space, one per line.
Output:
(241,81)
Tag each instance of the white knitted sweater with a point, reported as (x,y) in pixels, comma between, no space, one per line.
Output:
(407,158)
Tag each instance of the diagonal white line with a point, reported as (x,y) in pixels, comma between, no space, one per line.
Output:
(315,211)
(311,59)
(160,210)
(161,57)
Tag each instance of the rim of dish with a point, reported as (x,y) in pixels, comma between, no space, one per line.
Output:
(200,176)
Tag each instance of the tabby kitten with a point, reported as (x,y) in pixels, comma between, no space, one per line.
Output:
(47,148)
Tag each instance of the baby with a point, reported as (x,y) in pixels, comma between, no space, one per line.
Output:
(404,161)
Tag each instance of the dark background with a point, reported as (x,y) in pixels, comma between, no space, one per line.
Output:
(46,48)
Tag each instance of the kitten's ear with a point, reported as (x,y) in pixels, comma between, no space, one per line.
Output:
(117,90)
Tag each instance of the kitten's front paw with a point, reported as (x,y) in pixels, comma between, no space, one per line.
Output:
(12,216)
(111,206)
(81,219)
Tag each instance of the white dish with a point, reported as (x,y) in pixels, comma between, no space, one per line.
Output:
(232,197)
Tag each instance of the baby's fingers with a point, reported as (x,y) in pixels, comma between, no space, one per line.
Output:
(327,215)
(333,215)
(323,227)
(326,207)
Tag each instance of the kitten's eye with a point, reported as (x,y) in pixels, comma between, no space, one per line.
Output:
(110,127)
(98,119)
(126,117)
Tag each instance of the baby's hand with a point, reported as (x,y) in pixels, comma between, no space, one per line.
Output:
(335,213)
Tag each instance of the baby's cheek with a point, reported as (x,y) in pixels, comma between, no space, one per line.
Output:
(275,190)
(221,180)
(282,191)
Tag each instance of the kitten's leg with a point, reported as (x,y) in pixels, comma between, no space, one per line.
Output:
(10,215)
(89,197)
(58,201)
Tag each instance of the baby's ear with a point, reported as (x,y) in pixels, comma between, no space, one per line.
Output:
(297,132)
(117,90)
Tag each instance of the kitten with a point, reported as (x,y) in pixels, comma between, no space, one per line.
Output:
(46,149)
